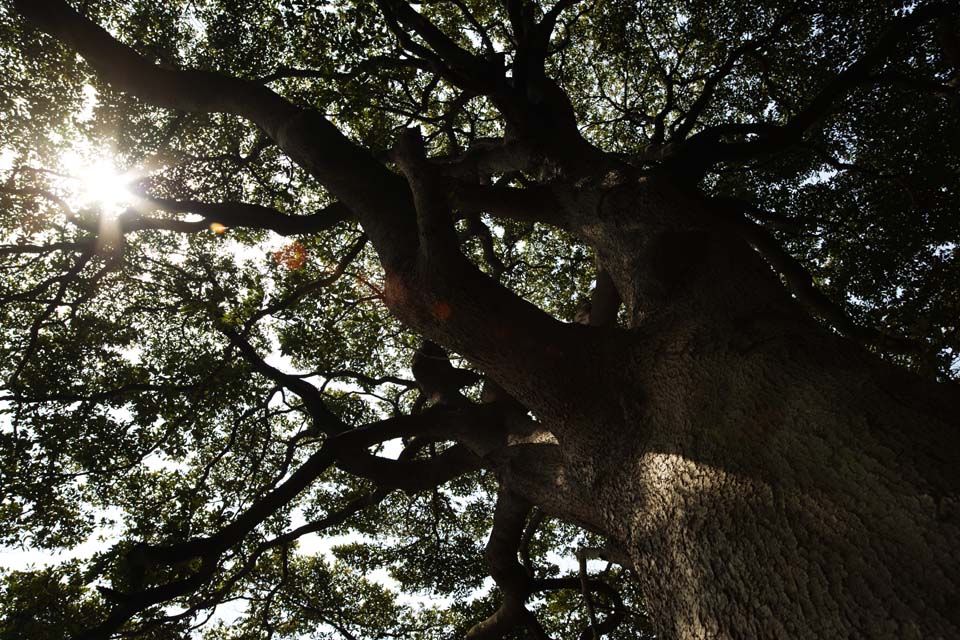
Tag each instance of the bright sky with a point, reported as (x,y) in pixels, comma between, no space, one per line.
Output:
(89,178)
(88,172)
(97,182)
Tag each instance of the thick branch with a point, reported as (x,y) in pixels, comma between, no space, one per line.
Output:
(501,555)
(454,303)
(468,71)
(488,156)
(411,475)
(434,222)
(128,605)
(239,214)
(233,533)
(801,283)
(604,301)
(532,204)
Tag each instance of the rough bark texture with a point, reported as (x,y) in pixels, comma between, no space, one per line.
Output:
(768,478)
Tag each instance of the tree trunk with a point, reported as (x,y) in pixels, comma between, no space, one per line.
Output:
(792,490)
(768,478)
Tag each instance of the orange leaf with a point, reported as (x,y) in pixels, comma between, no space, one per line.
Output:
(293,256)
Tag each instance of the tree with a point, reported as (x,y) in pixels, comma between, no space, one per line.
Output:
(750,210)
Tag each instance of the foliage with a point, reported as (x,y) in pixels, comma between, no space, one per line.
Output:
(143,399)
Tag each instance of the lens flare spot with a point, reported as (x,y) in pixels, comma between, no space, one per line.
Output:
(91,180)
(442,311)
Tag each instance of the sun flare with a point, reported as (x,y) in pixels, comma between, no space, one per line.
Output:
(96,182)
(101,183)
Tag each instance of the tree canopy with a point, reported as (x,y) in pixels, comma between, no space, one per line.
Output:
(208,397)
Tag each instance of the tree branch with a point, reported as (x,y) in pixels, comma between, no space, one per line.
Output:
(531,204)
(595,629)
(457,305)
(509,520)
(434,222)
(801,283)
(411,475)
(308,288)
(714,80)
(604,301)
(324,420)
(238,214)
(461,67)
(706,147)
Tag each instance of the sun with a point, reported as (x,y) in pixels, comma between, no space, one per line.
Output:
(101,183)
(95,182)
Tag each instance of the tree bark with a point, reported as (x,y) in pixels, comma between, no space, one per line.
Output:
(769,479)
(786,492)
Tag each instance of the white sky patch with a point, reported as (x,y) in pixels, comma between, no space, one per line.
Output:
(313,544)
(944,250)
(133,355)
(89,103)
(391,449)
(568,563)
(88,173)
(89,178)
(255,253)
(159,462)
(316,544)
(24,558)
(7,156)
(819,177)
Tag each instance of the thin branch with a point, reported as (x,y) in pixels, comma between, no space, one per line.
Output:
(324,420)
(706,147)
(305,136)
(375,63)
(594,629)
(305,289)
(585,591)
(714,80)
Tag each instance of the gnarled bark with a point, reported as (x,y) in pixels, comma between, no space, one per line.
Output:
(769,479)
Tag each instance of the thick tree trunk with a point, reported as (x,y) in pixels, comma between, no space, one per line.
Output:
(769,479)
(787,491)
